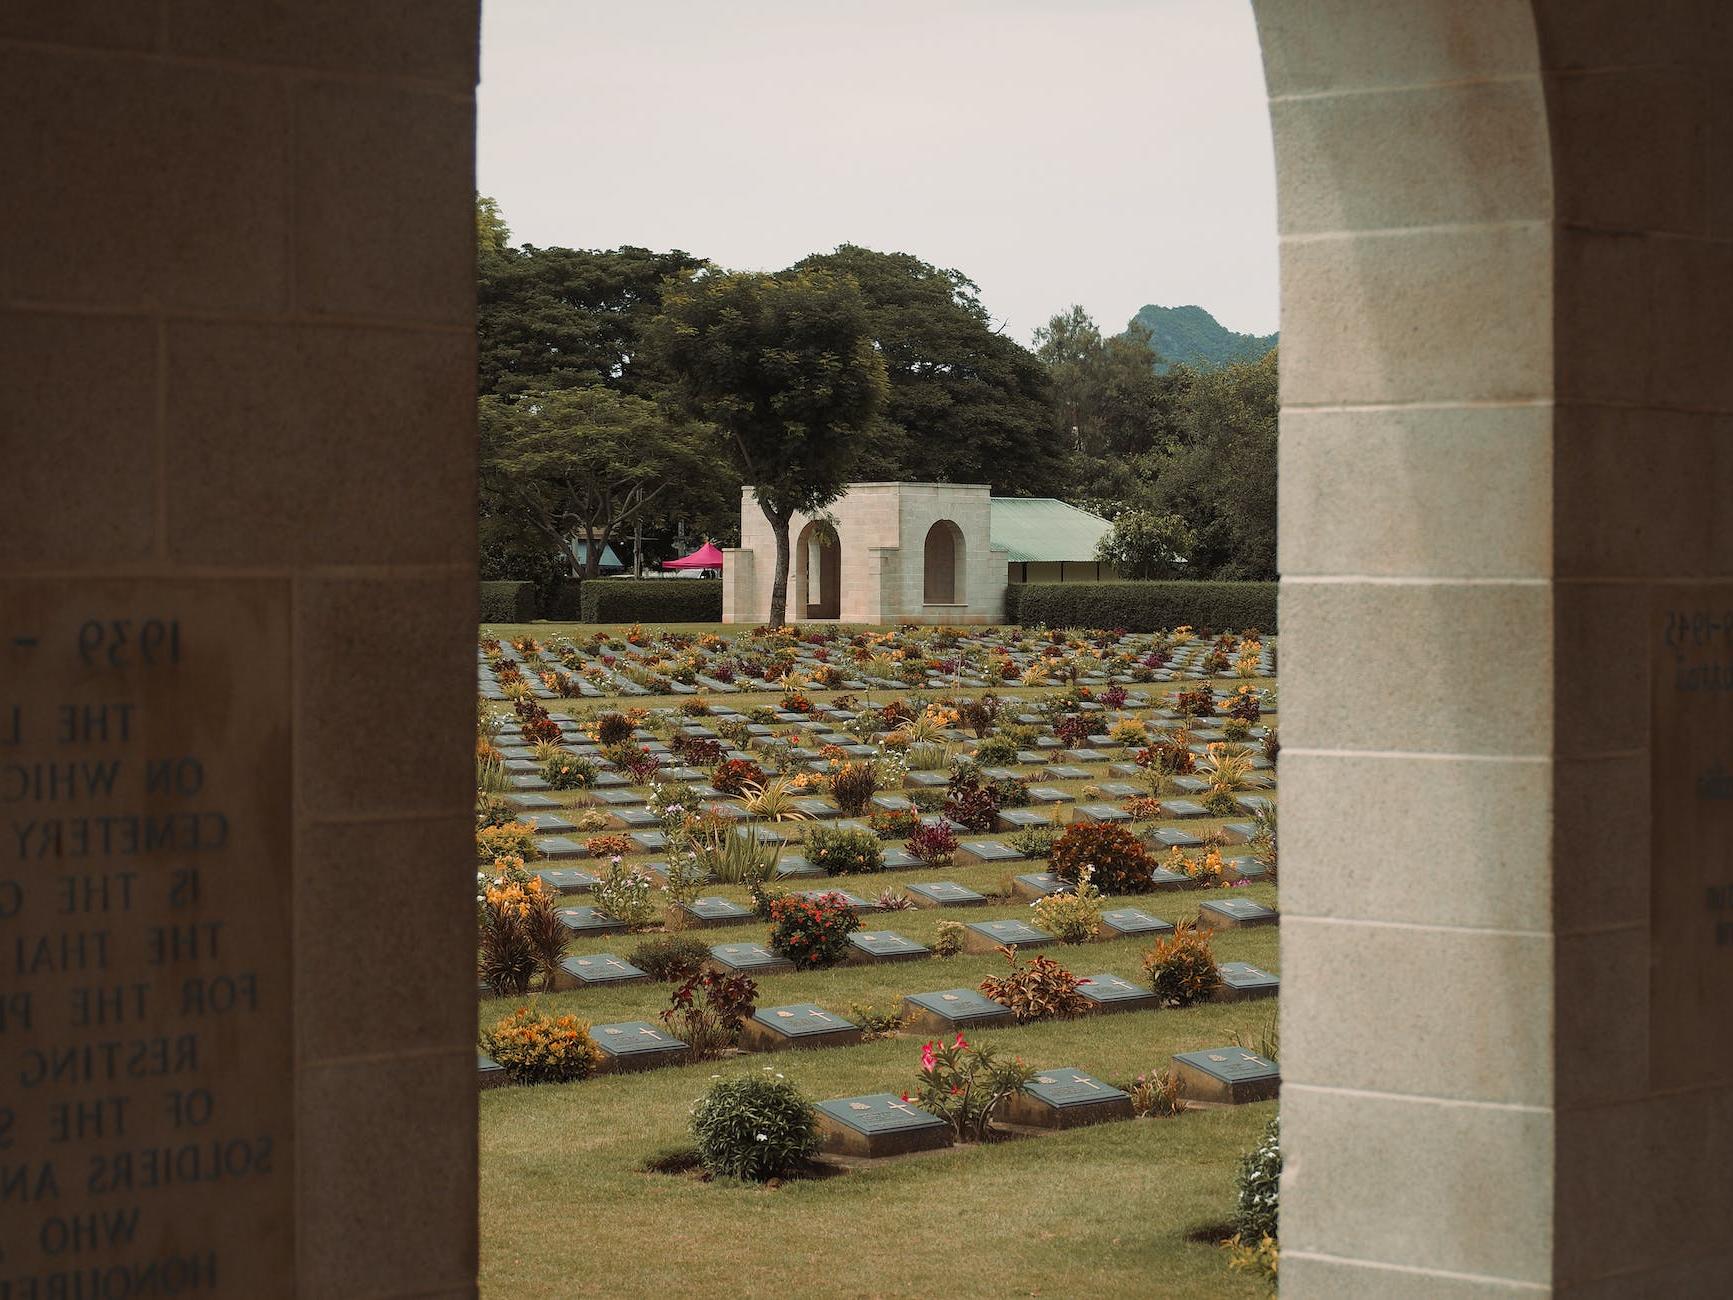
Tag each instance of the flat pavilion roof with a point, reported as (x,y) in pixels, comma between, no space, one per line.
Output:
(1041,529)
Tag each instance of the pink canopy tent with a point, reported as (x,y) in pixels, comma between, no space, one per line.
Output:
(705,557)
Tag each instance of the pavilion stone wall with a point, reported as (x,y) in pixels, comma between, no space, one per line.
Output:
(1506,259)
(882,530)
(237,538)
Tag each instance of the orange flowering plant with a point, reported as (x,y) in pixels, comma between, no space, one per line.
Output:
(534,1047)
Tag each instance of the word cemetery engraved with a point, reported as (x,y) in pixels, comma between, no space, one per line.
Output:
(146,1070)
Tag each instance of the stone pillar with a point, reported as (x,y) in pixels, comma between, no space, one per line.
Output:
(1506,386)
(237,621)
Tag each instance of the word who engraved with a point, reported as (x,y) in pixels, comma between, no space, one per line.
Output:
(124,978)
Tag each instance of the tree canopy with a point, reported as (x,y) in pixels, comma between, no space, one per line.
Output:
(582,462)
(784,367)
(964,403)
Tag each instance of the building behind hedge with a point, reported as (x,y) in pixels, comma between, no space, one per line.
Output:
(909,553)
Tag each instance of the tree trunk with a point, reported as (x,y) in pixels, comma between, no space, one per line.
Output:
(592,554)
(779,583)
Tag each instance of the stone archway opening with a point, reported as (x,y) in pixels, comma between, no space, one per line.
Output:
(816,582)
(944,565)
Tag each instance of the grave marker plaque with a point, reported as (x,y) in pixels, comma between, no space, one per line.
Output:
(146,1025)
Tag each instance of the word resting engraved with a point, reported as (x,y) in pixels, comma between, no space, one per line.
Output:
(146,1061)
(1691,844)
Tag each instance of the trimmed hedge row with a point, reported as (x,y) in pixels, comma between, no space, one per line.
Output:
(1143,606)
(508,602)
(652,600)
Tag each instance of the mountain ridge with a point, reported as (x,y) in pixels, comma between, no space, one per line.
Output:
(1190,335)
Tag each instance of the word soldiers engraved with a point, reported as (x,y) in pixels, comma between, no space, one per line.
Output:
(146,1058)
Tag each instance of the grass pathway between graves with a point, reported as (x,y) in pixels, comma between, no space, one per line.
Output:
(1095,1212)
(566,1209)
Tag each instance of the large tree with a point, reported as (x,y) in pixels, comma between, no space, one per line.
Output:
(584,462)
(1109,405)
(1219,472)
(785,369)
(549,318)
(965,404)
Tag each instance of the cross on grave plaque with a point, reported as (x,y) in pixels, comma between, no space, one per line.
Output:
(1228,913)
(748,957)
(715,910)
(1109,992)
(1039,884)
(990,936)
(884,945)
(597,968)
(1067,1098)
(794,866)
(1101,812)
(1170,837)
(1229,1075)
(589,921)
(637,1045)
(1017,819)
(1048,794)
(534,801)
(1120,921)
(548,823)
(560,846)
(802,1024)
(951,1009)
(988,851)
(899,859)
(1241,982)
(944,893)
(878,1124)
(566,880)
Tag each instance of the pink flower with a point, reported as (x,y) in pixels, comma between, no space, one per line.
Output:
(927,1057)
(961,1042)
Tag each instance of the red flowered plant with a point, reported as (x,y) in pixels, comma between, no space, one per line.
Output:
(965,1085)
(734,775)
(812,932)
(933,844)
(708,1010)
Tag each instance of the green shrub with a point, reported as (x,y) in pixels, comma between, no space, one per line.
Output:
(669,957)
(996,751)
(1182,968)
(508,602)
(756,1128)
(652,600)
(1112,856)
(1259,1185)
(844,852)
(1143,606)
(562,600)
(812,932)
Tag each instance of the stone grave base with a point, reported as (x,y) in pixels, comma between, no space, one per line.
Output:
(1199,1085)
(756,1036)
(1021,1108)
(985,945)
(918,1017)
(837,1138)
(632,1062)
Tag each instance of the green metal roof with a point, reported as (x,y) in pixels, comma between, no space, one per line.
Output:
(1037,529)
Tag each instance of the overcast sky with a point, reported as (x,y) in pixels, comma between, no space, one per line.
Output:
(1106,152)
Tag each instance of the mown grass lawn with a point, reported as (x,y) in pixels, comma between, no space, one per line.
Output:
(567,1209)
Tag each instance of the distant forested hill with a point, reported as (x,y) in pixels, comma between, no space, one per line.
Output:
(1191,335)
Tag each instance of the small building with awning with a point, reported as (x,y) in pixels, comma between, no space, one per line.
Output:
(1046,540)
